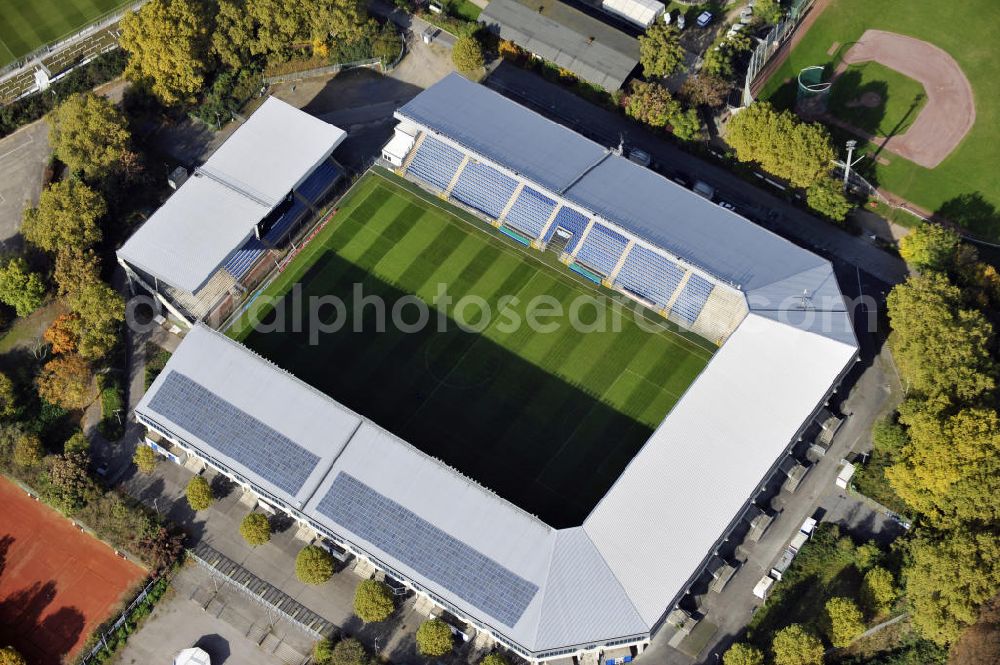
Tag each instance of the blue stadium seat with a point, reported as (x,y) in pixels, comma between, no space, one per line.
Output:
(571,220)
(319,181)
(649,275)
(530,212)
(244,258)
(691,299)
(602,249)
(484,188)
(435,162)
(288,219)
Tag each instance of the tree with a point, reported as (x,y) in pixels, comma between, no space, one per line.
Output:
(199,494)
(660,50)
(8,397)
(826,196)
(61,335)
(941,347)
(794,645)
(74,269)
(66,217)
(866,556)
(10,656)
(167,42)
(947,578)
(88,134)
(930,247)
(70,485)
(467,54)
(27,450)
(743,654)
(66,381)
(373,601)
(703,89)
(651,104)
(255,529)
(843,621)
(799,152)
(686,125)
(20,288)
(496,658)
(719,59)
(77,443)
(100,310)
(313,565)
(434,638)
(349,651)
(767,12)
(878,591)
(322,652)
(145,459)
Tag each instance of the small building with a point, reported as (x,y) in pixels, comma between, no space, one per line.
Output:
(589,48)
(642,13)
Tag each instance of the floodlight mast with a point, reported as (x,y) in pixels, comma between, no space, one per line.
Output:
(851,144)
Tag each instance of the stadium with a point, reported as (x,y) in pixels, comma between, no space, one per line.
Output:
(494,198)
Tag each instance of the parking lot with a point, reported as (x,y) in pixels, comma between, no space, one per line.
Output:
(23,156)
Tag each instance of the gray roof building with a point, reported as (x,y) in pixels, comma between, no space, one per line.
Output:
(586,46)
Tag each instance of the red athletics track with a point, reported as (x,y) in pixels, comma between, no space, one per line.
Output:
(57,584)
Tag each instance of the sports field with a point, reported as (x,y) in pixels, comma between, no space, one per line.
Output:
(964,186)
(547,419)
(27,24)
(57,584)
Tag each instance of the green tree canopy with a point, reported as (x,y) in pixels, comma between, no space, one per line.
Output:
(66,217)
(27,450)
(373,601)
(826,196)
(20,288)
(75,268)
(930,247)
(10,656)
(434,638)
(77,443)
(797,151)
(843,621)
(878,591)
(794,645)
(168,43)
(743,654)
(144,459)
(255,529)
(66,381)
(947,578)
(8,398)
(322,652)
(100,311)
(660,50)
(719,59)
(467,54)
(941,347)
(651,104)
(767,11)
(198,493)
(494,658)
(349,651)
(89,134)
(313,565)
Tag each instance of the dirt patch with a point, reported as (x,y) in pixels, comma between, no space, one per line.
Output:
(950,110)
(833,48)
(868,100)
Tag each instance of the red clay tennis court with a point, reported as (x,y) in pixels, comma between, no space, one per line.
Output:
(57,584)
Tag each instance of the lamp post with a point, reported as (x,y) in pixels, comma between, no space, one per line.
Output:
(847,165)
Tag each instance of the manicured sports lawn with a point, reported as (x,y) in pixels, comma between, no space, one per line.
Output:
(965,185)
(901,99)
(27,24)
(547,419)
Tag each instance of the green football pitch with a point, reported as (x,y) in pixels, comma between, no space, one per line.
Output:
(547,418)
(27,24)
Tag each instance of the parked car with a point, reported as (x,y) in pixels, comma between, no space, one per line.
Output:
(727,205)
(704,19)
(640,157)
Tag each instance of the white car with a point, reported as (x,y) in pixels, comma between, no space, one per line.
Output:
(704,19)
(727,205)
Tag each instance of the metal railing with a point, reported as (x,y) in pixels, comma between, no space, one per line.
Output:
(102,641)
(769,45)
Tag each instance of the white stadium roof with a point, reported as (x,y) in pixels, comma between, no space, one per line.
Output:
(215,211)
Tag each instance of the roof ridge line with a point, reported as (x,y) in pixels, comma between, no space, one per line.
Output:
(614,575)
(607,153)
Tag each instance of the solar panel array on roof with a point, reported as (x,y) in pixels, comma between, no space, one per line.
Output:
(234,432)
(415,542)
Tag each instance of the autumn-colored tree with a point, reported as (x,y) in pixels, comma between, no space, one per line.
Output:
(66,217)
(77,443)
(349,651)
(255,529)
(8,397)
(10,656)
(947,577)
(743,654)
(930,247)
(67,382)
(168,43)
(144,459)
(100,311)
(878,591)
(74,269)
(88,134)
(797,151)
(719,60)
(497,658)
(313,565)
(703,89)
(20,288)
(467,54)
(61,335)
(794,645)
(660,50)
(651,104)
(434,638)
(27,450)
(843,621)
(70,485)
(199,493)
(940,346)
(373,601)
(826,196)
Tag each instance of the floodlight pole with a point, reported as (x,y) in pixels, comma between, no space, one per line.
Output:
(847,165)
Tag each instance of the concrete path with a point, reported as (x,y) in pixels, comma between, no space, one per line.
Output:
(23,158)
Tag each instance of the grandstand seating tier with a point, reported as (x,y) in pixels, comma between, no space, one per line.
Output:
(243,259)
(650,275)
(530,212)
(570,220)
(692,298)
(484,188)
(602,249)
(319,181)
(435,162)
(285,222)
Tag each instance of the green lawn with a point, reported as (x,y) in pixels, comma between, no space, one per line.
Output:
(548,420)
(27,24)
(901,97)
(964,186)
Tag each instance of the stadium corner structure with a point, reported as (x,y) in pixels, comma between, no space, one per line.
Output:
(609,583)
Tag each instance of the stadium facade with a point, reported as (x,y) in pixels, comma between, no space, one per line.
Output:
(786,342)
(195,253)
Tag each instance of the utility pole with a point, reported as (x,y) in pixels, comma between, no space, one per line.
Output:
(847,164)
